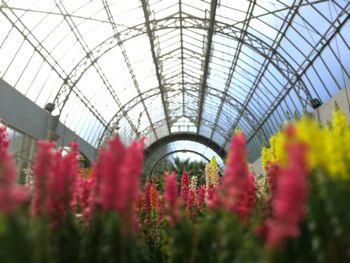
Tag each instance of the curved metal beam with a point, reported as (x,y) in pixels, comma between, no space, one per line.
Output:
(315,53)
(128,63)
(185,136)
(251,41)
(162,122)
(203,86)
(207,123)
(151,37)
(232,101)
(286,24)
(233,67)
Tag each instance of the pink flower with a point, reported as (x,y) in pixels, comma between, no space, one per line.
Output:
(251,191)
(43,170)
(84,190)
(190,199)
(131,187)
(288,203)
(213,200)
(272,172)
(11,194)
(200,196)
(170,197)
(236,183)
(54,186)
(118,171)
(94,197)
(184,187)
(113,175)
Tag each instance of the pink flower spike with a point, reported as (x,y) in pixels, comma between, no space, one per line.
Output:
(73,145)
(289,198)
(11,194)
(213,201)
(190,199)
(43,170)
(251,191)
(184,187)
(236,183)
(200,196)
(118,171)
(170,197)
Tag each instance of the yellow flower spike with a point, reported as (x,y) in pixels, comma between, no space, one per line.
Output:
(213,171)
(265,156)
(328,147)
(337,146)
(339,120)
(273,147)
(309,131)
(280,142)
(276,151)
(347,139)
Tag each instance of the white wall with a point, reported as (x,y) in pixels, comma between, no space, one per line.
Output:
(21,113)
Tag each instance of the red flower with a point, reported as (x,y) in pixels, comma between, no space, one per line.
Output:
(148,197)
(140,202)
(184,186)
(200,196)
(11,194)
(272,172)
(288,204)
(190,199)
(170,197)
(151,197)
(154,197)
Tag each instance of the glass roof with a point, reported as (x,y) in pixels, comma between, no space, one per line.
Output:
(153,68)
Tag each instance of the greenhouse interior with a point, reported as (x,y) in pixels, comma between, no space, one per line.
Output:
(174,131)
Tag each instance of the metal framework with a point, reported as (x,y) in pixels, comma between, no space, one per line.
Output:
(187,137)
(207,60)
(146,12)
(163,68)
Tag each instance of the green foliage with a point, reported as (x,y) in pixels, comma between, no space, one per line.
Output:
(213,236)
(179,166)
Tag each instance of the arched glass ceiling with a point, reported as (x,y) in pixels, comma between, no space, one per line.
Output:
(155,68)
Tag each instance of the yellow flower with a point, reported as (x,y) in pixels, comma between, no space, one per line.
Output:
(213,172)
(310,132)
(265,156)
(337,146)
(276,150)
(328,147)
